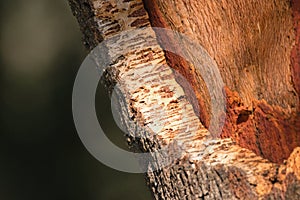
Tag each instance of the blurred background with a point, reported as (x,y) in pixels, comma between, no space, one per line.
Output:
(41,155)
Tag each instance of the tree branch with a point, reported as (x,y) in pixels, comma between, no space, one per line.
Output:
(208,168)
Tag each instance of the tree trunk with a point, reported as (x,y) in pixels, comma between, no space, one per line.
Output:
(255,45)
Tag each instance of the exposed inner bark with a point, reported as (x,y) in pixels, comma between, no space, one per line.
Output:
(295,56)
(207,168)
(252,43)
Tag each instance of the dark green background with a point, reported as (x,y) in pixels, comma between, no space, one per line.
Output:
(41,156)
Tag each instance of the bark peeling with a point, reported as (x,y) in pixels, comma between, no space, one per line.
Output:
(250,45)
(207,168)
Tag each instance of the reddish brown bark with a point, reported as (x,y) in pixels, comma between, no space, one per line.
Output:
(295,55)
(179,64)
(270,130)
(267,130)
(261,118)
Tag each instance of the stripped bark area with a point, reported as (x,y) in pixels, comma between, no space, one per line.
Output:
(252,43)
(207,168)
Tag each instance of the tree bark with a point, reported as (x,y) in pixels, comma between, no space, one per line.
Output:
(256,47)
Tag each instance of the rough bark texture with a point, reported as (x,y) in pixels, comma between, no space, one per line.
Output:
(252,48)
